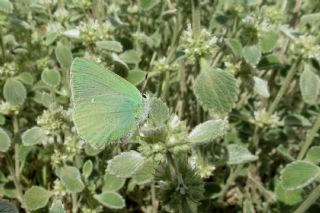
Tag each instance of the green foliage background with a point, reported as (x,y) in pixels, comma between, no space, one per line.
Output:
(234,117)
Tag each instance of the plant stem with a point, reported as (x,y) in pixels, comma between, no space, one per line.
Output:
(154,200)
(312,198)
(2,48)
(233,175)
(173,164)
(172,49)
(74,203)
(195,18)
(284,87)
(15,180)
(309,138)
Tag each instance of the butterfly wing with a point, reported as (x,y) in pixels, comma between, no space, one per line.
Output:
(106,106)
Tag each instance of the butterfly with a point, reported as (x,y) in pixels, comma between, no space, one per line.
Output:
(106,107)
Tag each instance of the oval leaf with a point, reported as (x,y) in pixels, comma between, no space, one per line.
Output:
(33,136)
(25,78)
(268,41)
(113,46)
(251,55)
(299,174)
(238,154)
(148,4)
(313,155)
(71,178)
(14,91)
(51,77)
(159,112)
(261,87)
(5,141)
(125,164)
(235,46)
(111,200)
(136,77)
(36,197)
(309,85)
(216,90)
(6,6)
(112,182)
(64,56)
(57,207)
(130,57)
(288,197)
(207,131)
(144,174)
(87,168)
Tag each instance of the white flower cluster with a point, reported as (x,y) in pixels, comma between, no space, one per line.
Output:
(93,31)
(202,46)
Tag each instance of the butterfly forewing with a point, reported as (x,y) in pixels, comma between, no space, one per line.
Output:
(105,105)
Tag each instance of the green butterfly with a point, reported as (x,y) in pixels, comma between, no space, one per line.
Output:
(107,108)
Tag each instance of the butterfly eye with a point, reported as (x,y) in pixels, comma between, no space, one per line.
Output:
(144,95)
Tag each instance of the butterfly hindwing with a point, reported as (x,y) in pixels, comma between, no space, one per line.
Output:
(106,106)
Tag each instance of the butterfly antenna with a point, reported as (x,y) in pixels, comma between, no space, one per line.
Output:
(144,83)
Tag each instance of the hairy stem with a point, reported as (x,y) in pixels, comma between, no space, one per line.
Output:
(176,172)
(154,200)
(284,87)
(195,18)
(312,198)
(3,51)
(309,139)
(74,203)
(233,175)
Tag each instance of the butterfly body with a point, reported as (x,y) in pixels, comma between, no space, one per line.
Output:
(106,106)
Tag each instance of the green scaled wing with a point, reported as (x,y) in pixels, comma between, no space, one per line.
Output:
(106,106)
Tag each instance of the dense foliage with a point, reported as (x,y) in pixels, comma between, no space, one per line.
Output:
(233,122)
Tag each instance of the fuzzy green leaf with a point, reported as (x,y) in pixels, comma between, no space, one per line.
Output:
(7,207)
(251,54)
(112,182)
(51,77)
(51,38)
(136,77)
(14,91)
(299,174)
(36,197)
(238,154)
(120,67)
(144,174)
(5,141)
(130,57)
(235,46)
(111,200)
(33,136)
(159,112)
(288,197)
(125,164)
(268,41)
(313,155)
(113,46)
(25,78)
(261,87)
(87,168)
(207,131)
(148,4)
(6,6)
(71,178)
(64,56)
(57,207)
(312,18)
(309,85)
(216,90)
